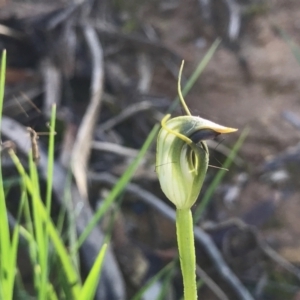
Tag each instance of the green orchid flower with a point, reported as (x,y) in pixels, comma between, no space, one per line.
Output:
(182,156)
(181,165)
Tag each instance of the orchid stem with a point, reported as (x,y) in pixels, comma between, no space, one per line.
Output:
(186,246)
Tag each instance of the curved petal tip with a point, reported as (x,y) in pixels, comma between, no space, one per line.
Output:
(226,130)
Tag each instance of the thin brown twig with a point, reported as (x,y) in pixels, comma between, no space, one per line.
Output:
(114,148)
(21,107)
(125,114)
(83,141)
(211,284)
(30,102)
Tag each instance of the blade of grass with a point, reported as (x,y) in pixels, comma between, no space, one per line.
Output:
(28,234)
(13,259)
(50,159)
(15,244)
(70,215)
(51,293)
(220,175)
(39,231)
(5,244)
(118,188)
(89,287)
(46,262)
(166,284)
(164,271)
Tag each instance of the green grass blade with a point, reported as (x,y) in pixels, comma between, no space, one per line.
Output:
(163,272)
(70,216)
(89,288)
(13,260)
(5,250)
(46,260)
(218,178)
(5,244)
(166,284)
(40,234)
(118,188)
(14,247)
(28,234)
(50,159)
(51,293)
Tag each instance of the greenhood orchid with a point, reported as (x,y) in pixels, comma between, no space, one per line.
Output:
(182,156)
(181,165)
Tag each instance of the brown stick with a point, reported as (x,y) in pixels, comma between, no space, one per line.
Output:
(83,141)
(34,145)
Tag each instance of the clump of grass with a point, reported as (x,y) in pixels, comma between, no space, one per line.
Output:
(40,234)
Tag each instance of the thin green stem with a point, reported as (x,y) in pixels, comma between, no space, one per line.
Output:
(186,246)
(179,91)
(201,66)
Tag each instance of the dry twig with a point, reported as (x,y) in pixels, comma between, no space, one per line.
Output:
(115,148)
(125,114)
(83,141)
(211,284)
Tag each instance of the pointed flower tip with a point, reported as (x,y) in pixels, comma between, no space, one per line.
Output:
(226,130)
(207,124)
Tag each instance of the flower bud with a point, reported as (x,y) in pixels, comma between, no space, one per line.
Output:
(182,157)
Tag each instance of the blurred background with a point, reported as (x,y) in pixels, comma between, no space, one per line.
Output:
(111,67)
